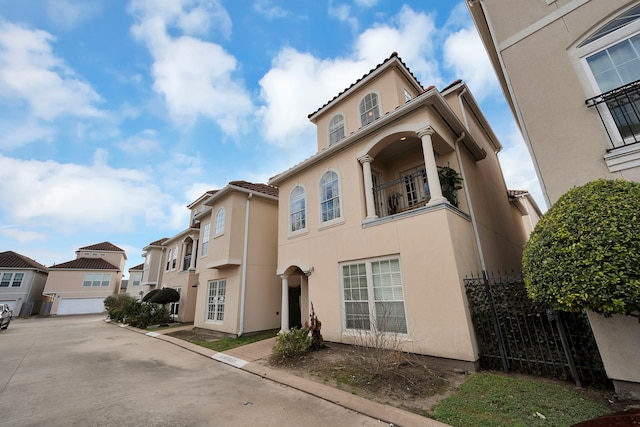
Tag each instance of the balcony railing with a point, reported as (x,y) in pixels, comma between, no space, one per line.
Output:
(186,262)
(623,106)
(408,192)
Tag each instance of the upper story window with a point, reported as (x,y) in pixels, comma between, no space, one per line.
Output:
(13,280)
(612,59)
(336,129)
(205,239)
(135,279)
(169,255)
(329,196)
(407,96)
(219,222)
(297,209)
(96,280)
(175,258)
(369,109)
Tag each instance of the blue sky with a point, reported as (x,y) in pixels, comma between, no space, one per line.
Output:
(114,114)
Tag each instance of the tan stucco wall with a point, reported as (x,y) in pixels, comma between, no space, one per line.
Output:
(567,139)
(68,284)
(262,292)
(30,289)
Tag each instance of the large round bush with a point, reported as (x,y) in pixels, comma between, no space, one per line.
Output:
(585,251)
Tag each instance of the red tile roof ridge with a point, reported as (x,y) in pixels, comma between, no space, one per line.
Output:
(85,264)
(137,267)
(267,189)
(11,259)
(104,246)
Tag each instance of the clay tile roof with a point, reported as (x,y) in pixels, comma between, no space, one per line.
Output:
(137,267)
(85,264)
(393,55)
(10,259)
(159,242)
(104,246)
(269,190)
(457,82)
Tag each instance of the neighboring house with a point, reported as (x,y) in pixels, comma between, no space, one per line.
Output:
(134,283)
(153,255)
(238,290)
(80,286)
(570,70)
(527,210)
(179,271)
(21,283)
(365,232)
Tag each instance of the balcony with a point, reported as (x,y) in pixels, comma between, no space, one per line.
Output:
(620,106)
(408,192)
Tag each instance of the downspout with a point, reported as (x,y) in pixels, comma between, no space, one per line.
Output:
(244,264)
(464,184)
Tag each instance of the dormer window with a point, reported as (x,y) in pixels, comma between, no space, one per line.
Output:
(336,129)
(369,109)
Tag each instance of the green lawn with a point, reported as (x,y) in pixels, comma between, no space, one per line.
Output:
(229,343)
(488,399)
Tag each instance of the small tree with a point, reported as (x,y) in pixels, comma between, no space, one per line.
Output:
(450,182)
(585,251)
(150,295)
(165,296)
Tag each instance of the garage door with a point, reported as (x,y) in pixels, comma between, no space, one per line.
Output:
(81,306)
(10,303)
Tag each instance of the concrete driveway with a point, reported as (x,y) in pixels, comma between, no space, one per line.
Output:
(81,371)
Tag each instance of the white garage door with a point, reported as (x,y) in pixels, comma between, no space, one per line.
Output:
(81,306)
(10,303)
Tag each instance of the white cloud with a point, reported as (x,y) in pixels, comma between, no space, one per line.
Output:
(31,74)
(15,134)
(67,196)
(366,3)
(299,83)
(69,13)
(269,10)
(21,235)
(465,54)
(194,76)
(343,14)
(517,167)
(143,142)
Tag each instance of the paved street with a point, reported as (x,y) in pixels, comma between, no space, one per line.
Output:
(81,371)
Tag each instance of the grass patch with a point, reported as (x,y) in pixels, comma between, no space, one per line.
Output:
(488,399)
(228,343)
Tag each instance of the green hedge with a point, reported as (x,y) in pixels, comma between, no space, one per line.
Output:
(585,251)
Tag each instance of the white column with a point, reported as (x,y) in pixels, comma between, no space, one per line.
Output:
(284,310)
(368,187)
(194,249)
(430,165)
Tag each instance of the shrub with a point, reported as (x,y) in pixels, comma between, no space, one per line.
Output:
(585,251)
(292,343)
(118,305)
(147,314)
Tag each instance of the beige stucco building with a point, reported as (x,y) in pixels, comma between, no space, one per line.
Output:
(80,286)
(365,231)
(238,291)
(570,70)
(22,281)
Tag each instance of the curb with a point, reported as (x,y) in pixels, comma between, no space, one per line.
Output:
(383,413)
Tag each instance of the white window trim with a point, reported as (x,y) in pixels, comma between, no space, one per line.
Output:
(206,237)
(339,219)
(578,55)
(305,229)
(12,279)
(371,300)
(102,279)
(133,279)
(344,127)
(380,110)
(216,231)
(206,311)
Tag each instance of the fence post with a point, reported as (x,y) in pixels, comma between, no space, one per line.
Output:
(496,323)
(562,330)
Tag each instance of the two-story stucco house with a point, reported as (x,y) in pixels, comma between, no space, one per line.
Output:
(153,255)
(570,71)
(134,283)
(21,283)
(238,291)
(367,235)
(80,286)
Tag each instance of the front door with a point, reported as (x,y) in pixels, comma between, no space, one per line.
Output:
(295,315)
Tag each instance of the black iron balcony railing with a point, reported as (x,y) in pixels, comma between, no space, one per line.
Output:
(623,106)
(402,194)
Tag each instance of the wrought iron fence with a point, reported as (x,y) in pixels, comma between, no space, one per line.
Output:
(402,194)
(516,334)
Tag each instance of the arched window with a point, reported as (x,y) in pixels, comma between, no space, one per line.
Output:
(329,196)
(219,229)
(369,109)
(336,129)
(297,209)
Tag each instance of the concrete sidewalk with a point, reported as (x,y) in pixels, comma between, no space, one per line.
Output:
(244,356)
